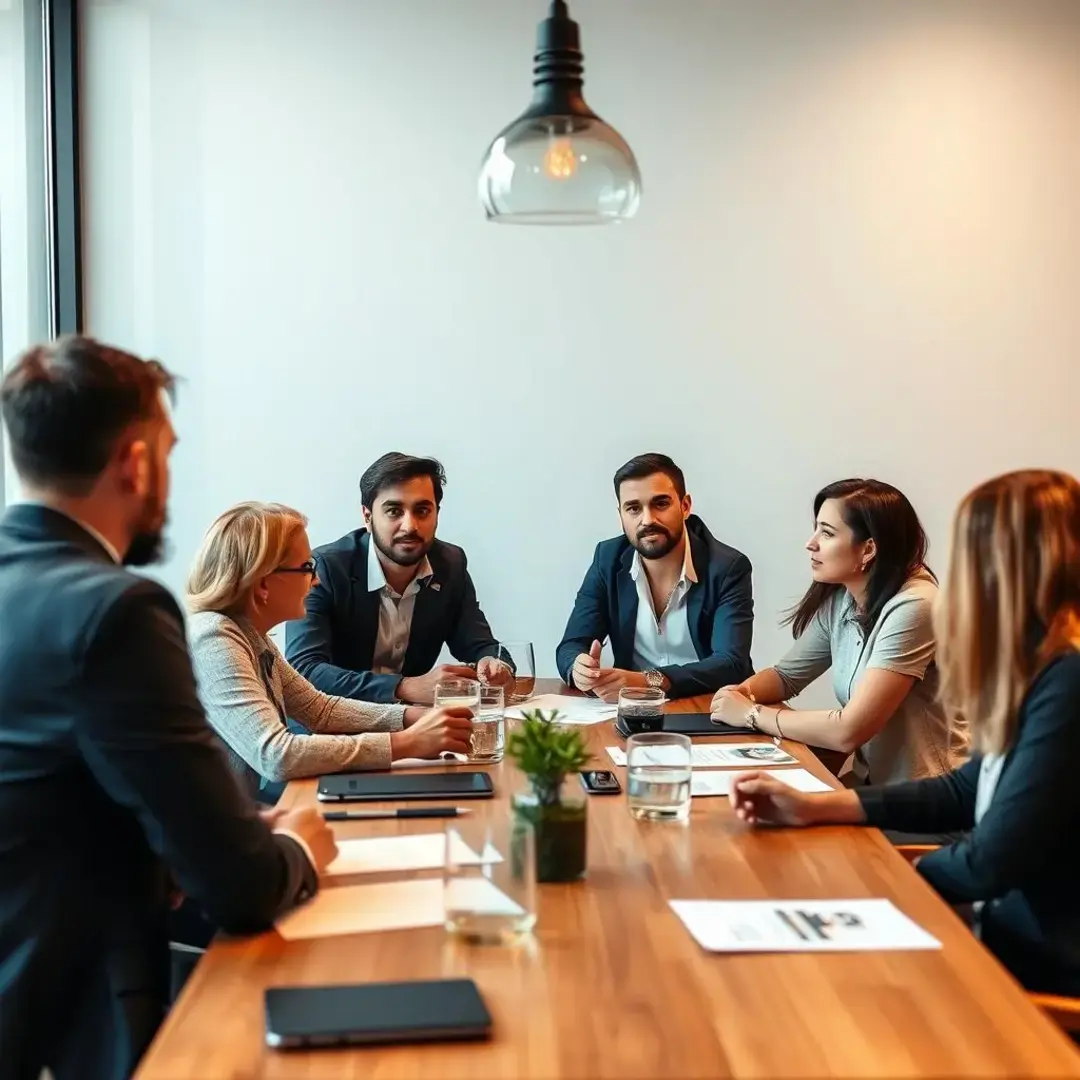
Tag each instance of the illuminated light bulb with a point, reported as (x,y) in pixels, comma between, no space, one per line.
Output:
(560,161)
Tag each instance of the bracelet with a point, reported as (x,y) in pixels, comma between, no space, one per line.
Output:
(776,721)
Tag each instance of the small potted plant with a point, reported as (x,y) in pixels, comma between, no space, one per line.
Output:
(547,754)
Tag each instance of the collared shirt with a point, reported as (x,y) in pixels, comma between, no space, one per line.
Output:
(663,640)
(395,613)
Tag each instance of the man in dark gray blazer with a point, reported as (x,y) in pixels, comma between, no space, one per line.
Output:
(389,596)
(115,796)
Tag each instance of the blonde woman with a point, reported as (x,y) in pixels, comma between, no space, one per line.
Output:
(253,571)
(1008,630)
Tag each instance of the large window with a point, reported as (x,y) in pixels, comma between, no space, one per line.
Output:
(39,209)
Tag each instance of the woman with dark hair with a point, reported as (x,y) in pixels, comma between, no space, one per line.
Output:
(868,617)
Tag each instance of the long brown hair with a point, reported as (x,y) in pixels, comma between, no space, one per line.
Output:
(1012,600)
(878,511)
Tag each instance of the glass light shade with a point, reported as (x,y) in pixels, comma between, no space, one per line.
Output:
(559,170)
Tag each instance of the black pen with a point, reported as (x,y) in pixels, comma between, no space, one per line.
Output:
(406,812)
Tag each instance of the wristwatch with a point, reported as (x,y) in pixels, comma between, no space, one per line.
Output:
(752,717)
(654,679)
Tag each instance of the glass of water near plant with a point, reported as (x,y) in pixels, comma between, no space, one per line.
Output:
(554,805)
(457,693)
(520,658)
(658,770)
(489,879)
(487,740)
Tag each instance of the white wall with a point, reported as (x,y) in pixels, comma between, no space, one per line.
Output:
(857,253)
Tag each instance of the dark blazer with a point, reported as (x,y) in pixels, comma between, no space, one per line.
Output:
(334,645)
(112,785)
(720,613)
(1023,858)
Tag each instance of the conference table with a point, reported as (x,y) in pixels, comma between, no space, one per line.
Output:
(611,984)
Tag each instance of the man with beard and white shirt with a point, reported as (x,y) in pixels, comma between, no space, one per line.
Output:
(115,793)
(389,596)
(676,603)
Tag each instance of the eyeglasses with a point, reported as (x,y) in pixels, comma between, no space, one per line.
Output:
(308,568)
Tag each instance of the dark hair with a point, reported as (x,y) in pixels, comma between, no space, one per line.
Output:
(395,468)
(637,468)
(877,511)
(66,403)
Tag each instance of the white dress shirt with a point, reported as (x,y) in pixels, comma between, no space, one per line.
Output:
(663,640)
(395,613)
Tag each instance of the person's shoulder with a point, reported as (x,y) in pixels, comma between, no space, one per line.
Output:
(1062,674)
(341,548)
(610,553)
(446,557)
(211,633)
(915,598)
(722,556)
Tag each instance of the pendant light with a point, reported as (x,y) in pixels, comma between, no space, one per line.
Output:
(559,163)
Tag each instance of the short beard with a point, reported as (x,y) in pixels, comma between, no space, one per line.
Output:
(146,548)
(669,544)
(399,558)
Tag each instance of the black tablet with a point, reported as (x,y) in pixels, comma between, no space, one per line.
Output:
(692,723)
(376,787)
(422,1011)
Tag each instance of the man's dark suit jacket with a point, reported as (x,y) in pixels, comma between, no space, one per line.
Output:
(334,645)
(720,613)
(1023,858)
(110,781)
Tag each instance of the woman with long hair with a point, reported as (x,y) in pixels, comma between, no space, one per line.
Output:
(1009,652)
(867,616)
(253,571)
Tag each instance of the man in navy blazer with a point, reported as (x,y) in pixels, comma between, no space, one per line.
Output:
(389,596)
(676,603)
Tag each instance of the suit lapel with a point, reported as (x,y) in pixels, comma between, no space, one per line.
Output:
(622,644)
(426,620)
(695,599)
(363,606)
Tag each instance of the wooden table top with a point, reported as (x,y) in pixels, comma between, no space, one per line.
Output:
(612,985)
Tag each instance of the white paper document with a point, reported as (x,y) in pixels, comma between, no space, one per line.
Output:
(572,710)
(397,854)
(365,909)
(719,783)
(800,926)
(479,896)
(713,756)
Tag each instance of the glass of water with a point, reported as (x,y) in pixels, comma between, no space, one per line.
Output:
(518,655)
(658,776)
(457,693)
(488,738)
(489,879)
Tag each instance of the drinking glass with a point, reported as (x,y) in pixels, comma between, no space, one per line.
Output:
(489,879)
(640,709)
(658,776)
(488,738)
(519,656)
(457,693)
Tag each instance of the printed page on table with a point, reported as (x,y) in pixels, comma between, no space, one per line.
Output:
(711,756)
(800,926)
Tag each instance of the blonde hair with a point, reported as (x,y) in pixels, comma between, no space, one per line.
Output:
(244,544)
(1012,599)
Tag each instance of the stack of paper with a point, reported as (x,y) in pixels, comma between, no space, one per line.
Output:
(712,755)
(572,710)
(800,925)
